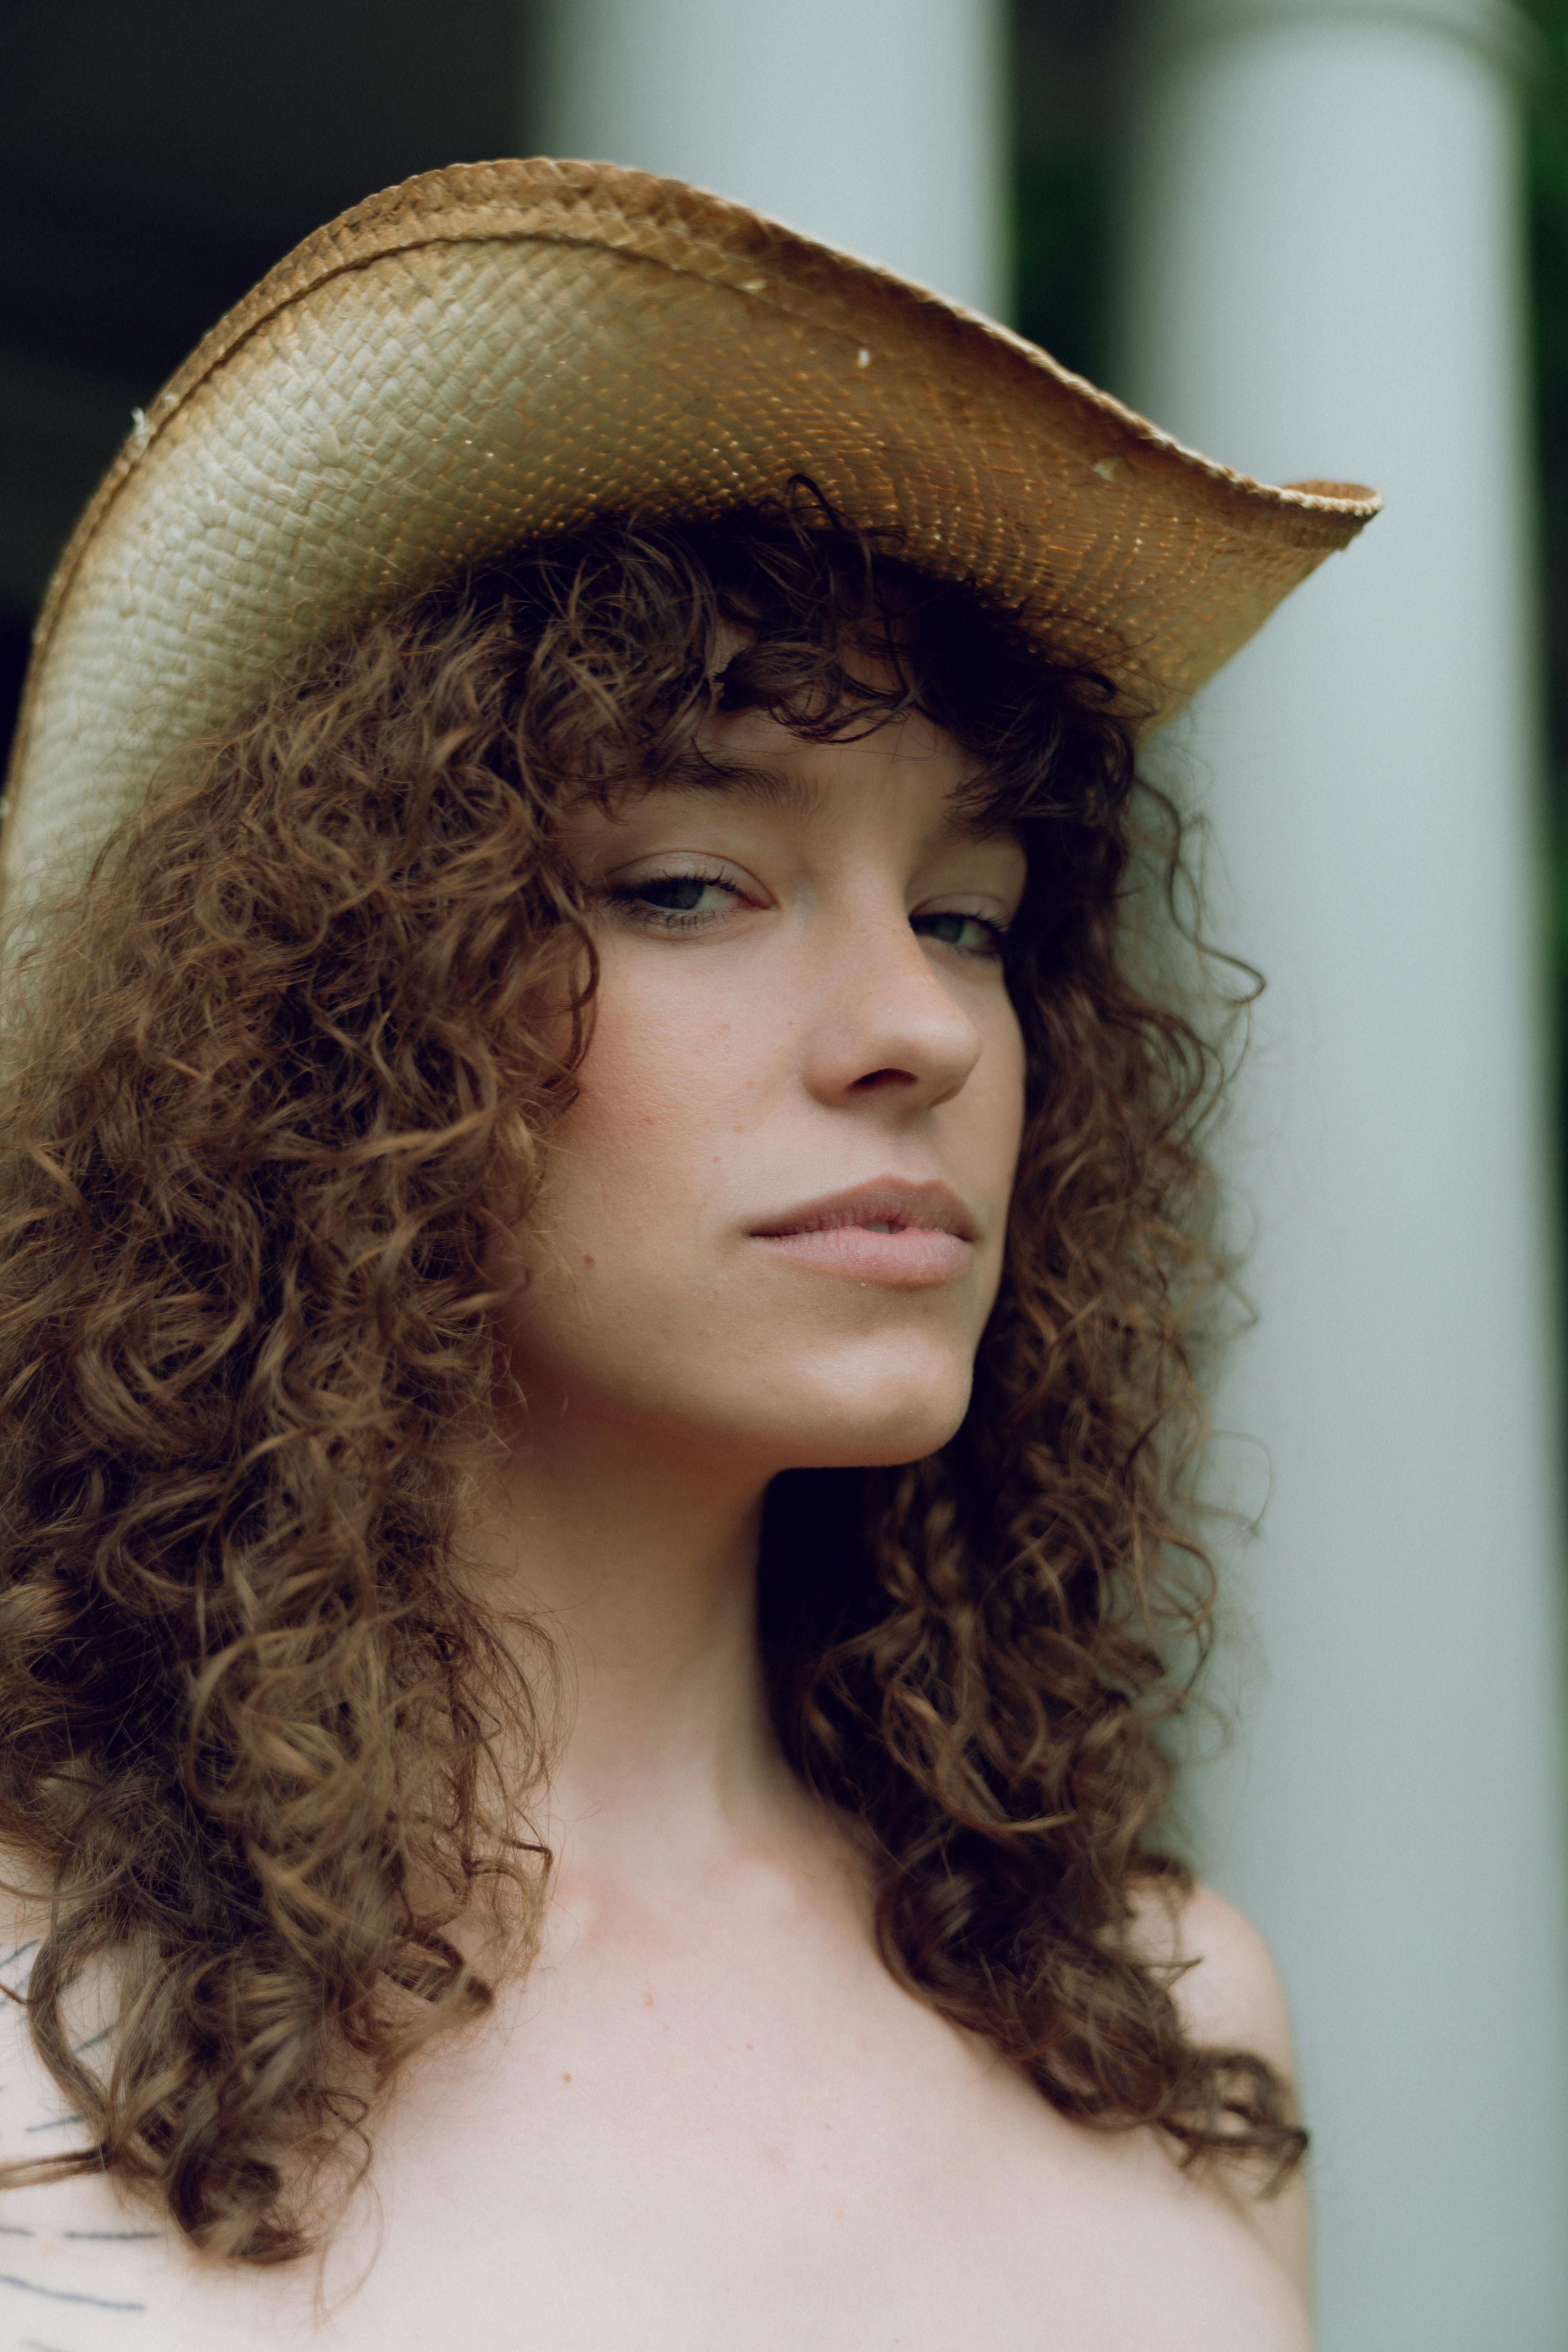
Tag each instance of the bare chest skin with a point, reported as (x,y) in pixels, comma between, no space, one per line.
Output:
(695,2126)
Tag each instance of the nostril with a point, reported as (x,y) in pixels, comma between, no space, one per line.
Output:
(885,1079)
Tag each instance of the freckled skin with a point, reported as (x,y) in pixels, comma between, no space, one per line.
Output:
(808,1038)
(707,2118)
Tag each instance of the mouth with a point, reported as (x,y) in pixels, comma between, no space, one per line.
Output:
(900,1234)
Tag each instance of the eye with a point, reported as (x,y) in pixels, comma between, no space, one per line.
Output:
(975,935)
(674,902)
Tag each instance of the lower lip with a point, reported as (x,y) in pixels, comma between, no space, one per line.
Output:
(915,1258)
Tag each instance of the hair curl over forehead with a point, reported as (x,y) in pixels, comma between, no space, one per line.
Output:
(269,1085)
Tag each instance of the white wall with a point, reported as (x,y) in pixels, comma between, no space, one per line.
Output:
(1322,279)
(874,124)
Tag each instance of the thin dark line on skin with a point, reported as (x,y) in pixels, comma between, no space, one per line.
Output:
(119,2237)
(14,2230)
(31,2344)
(20,1951)
(67,2293)
(93,2041)
(55,2123)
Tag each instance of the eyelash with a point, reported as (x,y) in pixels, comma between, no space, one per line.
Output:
(628,898)
(998,933)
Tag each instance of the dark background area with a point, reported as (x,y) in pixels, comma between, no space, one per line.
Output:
(154,160)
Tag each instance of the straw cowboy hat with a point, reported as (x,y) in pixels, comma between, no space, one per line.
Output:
(498,351)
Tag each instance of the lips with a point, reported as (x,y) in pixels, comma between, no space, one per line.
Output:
(893,1231)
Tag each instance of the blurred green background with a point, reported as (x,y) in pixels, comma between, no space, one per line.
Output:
(1547,185)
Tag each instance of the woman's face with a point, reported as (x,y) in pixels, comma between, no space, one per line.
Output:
(773,1225)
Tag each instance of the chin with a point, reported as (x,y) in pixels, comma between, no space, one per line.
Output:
(897,1423)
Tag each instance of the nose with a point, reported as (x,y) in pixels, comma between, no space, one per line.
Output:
(885,1022)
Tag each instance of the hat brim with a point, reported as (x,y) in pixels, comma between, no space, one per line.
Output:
(496,351)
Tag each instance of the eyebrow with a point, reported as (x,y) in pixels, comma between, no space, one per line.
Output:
(768,788)
(965,820)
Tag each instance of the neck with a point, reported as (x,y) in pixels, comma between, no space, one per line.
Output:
(640,1567)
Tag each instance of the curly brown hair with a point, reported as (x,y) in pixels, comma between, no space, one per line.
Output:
(273,1078)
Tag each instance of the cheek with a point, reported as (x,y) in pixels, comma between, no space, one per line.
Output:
(667,1089)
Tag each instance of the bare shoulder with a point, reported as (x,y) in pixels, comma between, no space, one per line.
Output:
(1229,1996)
(1228,1993)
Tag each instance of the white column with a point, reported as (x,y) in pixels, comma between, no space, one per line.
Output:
(875,124)
(1322,279)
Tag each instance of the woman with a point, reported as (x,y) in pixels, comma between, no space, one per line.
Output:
(604,1255)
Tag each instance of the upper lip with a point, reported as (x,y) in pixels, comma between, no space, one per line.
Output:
(886,1200)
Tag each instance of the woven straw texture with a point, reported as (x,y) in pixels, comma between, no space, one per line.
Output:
(498,351)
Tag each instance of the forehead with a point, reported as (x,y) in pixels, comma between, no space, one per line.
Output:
(808,790)
(753,760)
